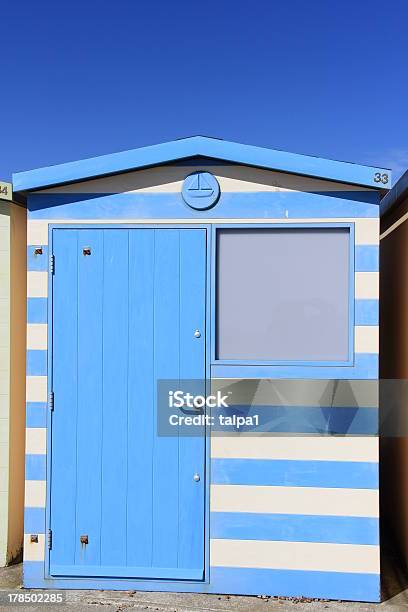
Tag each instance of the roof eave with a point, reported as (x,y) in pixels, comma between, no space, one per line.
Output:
(169,152)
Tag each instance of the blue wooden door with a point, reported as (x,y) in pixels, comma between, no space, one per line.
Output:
(124,500)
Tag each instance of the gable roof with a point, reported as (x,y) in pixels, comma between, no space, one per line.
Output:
(198,146)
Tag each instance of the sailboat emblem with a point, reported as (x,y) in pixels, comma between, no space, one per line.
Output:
(200,190)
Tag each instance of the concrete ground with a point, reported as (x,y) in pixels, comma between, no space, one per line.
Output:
(395,597)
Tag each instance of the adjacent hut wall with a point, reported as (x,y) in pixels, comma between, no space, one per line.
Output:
(12,377)
(18,308)
(4,372)
(393,372)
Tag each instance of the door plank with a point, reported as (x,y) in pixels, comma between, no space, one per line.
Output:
(141,398)
(166,366)
(192,366)
(64,419)
(115,396)
(89,424)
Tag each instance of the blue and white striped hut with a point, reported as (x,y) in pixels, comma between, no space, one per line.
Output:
(253,273)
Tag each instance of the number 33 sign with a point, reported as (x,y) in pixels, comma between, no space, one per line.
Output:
(381,177)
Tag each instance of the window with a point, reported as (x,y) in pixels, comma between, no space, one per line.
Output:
(283,294)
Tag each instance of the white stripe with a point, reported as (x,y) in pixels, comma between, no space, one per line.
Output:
(366,230)
(37,284)
(169,178)
(37,233)
(367,285)
(34,551)
(36,388)
(366,338)
(37,336)
(36,441)
(280,392)
(310,448)
(295,500)
(307,556)
(35,493)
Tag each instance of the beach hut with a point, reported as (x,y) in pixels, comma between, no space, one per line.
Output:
(192,288)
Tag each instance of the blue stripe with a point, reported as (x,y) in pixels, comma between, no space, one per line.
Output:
(34,520)
(318,420)
(36,310)
(369,197)
(36,363)
(294,528)
(365,367)
(35,466)
(367,258)
(260,204)
(35,262)
(296,583)
(284,473)
(366,312)
(36,414)
(231,580)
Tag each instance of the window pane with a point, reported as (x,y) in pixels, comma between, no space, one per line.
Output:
(283,294)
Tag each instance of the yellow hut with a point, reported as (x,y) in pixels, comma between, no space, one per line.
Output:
(12,371)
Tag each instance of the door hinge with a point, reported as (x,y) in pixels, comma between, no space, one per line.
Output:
(51,401)
(52,264)
(49,539)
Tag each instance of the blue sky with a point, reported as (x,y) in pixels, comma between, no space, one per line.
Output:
(84,78)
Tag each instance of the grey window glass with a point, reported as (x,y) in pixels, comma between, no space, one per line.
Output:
(283,294)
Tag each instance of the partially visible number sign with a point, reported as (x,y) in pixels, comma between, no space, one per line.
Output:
(381,177)
(5,191)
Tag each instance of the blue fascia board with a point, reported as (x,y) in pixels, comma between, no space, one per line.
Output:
(198,146)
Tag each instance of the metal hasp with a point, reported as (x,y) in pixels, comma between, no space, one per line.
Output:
(196,477)
(84,539)
(197,333)
(86,250)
